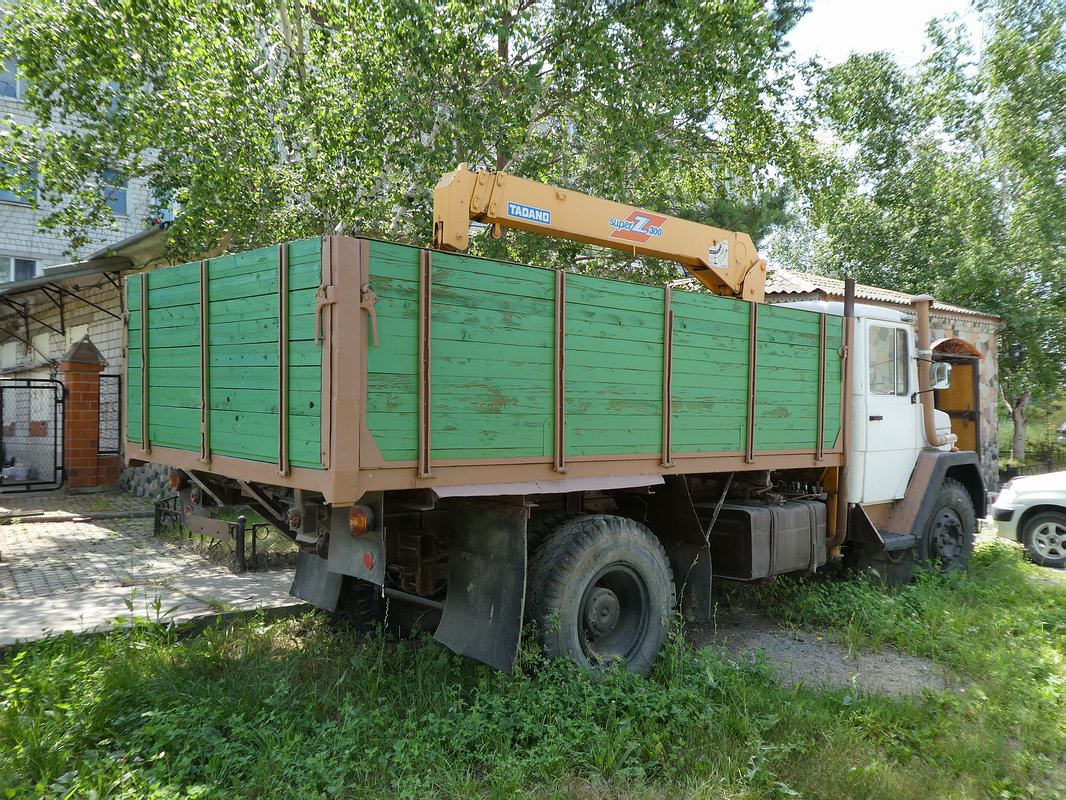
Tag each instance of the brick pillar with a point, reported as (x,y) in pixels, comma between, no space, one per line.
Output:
(80,372)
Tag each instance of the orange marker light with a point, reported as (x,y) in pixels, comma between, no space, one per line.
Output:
(359,519)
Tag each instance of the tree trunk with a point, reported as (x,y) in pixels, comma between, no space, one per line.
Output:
(1018,408)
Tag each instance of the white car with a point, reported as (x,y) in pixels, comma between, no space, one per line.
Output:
(1032,510)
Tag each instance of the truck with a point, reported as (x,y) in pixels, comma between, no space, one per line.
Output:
(477,444)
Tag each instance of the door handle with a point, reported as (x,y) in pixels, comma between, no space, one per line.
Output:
(876,418)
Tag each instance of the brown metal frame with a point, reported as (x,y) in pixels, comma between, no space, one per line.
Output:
(425,363)
(146,440)
(205,365)
(560,372)
(818,453)
(753,341)
(283,360)
(668,376)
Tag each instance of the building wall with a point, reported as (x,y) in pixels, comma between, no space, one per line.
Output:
(104,330)
(21,236)
(983,335)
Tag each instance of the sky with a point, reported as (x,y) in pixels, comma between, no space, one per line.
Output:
(833,29)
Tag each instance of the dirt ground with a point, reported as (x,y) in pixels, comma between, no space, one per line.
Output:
(813,658)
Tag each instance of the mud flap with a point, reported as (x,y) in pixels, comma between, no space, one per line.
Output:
(314,583)
(482,615)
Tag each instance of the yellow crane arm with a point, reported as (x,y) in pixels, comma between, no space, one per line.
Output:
(726,262)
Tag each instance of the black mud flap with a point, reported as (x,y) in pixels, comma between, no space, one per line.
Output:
(314,583)
(482,616)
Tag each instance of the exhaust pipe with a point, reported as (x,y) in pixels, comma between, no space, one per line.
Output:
(922,304)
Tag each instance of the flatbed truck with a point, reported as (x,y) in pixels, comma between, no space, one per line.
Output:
(481,443)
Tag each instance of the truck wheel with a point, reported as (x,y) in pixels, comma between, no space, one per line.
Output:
(1044,536)
(948,539)
(601,590)
(542,524)
(362,606)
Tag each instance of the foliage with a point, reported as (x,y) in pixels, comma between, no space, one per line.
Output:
(954,182)
(264,120)
(298,708)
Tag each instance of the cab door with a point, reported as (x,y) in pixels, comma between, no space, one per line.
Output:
(891,420)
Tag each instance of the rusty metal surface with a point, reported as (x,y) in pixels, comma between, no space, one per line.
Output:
(482,615)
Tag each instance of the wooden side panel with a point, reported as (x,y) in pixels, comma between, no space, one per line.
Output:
(710,385)
(493,332)
(243,355)
(492,328)
(614,367)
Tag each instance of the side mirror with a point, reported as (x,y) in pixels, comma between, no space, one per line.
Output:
(940,374)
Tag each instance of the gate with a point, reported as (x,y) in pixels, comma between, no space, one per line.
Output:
(31,435)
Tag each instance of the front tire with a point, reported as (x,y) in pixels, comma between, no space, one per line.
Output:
(947,542)
(1044,537)
(601,590)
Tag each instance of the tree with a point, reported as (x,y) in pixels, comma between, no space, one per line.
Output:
(953,180)
(269,120)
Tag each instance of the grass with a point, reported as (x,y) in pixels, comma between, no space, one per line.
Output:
(298,708)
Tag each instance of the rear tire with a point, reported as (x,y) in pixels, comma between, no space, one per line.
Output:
(362,605)
(1044,537)
(948,539)
(543,523)
(601,590)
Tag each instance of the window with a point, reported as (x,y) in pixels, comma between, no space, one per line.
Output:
(889,360)
(13,268)
(115,194)
(10,82)
(24,194)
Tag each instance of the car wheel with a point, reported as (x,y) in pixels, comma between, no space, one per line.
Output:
(1045,538)
(948,539)
(601,590)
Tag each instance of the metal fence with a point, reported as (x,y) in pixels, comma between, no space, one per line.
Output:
(31,434)
(110,415)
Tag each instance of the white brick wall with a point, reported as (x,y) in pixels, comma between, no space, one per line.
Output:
(21,236)
(104,330)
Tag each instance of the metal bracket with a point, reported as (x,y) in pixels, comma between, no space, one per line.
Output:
(323,297)
(367,299)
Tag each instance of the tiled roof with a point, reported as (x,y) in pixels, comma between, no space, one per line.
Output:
(780,282)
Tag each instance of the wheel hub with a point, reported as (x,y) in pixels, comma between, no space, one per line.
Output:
(947,536)
(614,613)
(601,616)
(1049,540)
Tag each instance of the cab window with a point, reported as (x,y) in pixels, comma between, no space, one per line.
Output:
(889,358)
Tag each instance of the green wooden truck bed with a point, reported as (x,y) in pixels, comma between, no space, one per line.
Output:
(341,365)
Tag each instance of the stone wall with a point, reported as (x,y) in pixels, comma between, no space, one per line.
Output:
(149,480)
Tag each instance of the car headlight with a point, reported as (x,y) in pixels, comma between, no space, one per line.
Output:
(1006,497)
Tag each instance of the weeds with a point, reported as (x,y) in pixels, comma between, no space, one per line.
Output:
(299,708)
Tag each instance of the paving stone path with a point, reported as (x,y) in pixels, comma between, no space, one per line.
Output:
(81,575)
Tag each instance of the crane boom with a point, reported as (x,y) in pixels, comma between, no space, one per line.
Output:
(726,262)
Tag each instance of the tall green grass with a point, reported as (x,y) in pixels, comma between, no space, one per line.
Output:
(298,708)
